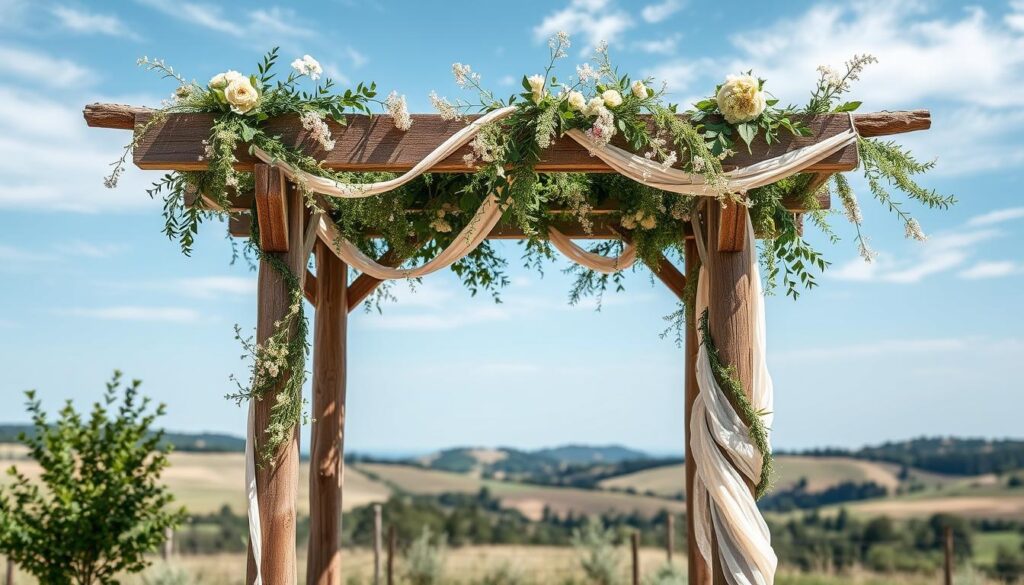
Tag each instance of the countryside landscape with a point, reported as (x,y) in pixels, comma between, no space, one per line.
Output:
(873,511)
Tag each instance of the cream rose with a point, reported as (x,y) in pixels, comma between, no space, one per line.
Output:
(576,100)
(242,96)
(612,98)
(536,87)
(639,89)
(594,106)
(740,99)
(221,80)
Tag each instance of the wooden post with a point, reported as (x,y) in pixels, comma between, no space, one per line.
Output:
(392,543)
(634,540)
(277,480)
(327,443)
(377,543)
(948,569)
(670,536)
(168,548)
(697,569)
(729,286)
(10,572)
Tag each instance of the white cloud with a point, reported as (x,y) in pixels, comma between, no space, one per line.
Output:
(208,287)
(881,347)
(136,313)
(663,46)
(256,24)
(88,249)
(91,23)
(661,11)
(941,253)
(43,69)
(596,20)
(990,269)
(997,216)
(10,254)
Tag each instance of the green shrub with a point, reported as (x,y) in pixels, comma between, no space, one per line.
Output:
(667,574)
(424,561)
(598,557)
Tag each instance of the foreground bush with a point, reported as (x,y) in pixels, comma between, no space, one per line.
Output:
(98,506)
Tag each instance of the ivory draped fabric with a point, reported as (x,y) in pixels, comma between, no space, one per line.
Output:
(725,501)
(726,458)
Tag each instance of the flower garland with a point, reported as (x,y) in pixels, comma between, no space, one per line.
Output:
(422,217)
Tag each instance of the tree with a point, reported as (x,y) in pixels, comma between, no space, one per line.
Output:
(98,506)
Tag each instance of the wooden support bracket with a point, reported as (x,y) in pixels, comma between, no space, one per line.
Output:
(364,285)
(270,208)
(732,233)
(673,278)
(309,287)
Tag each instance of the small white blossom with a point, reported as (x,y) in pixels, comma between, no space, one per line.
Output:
(396,106)
(604,126)
(318,129)
(447,110)
(866,252)
(558,43)
(536,87)
(308,66)
(221,80)
(639,89)
(464,74)
(914,232)
(586,73)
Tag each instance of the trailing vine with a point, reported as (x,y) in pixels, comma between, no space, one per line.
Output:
(725,375)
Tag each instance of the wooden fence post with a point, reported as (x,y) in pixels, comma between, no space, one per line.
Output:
(377,543)
(327,444)
(698,572)
(670,536)
(168,548)
(10,572)
(392,542)
(729,317)
(634,540)
(948,568)
(277,480)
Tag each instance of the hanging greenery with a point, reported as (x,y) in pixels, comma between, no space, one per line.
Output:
(424,216)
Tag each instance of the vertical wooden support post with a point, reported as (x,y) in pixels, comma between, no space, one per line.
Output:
(948,568)
(635,546)
(698,572)
(327,443)
(729,311)
(392,544)
(277,480)
(168,548)
(378,539)
(670,536)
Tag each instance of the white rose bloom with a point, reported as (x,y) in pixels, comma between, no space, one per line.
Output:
(242,96)
(576,100)
(639,89)
(308,66)
(537,87)
(612,98)
(594,106)
(221,80)
(740,99)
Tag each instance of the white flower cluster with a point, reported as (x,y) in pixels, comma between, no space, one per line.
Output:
(586,73)
(464,74)
(440,224)
(237,89)
(740,99)
(600,107)
(447,109)
(318,129)
(558,43)
(485,147)
(642,219)
(914,231)
(399,111)
(308,66)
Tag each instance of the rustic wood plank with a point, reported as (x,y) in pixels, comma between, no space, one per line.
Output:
(271,187)
(672,277)
(732,232)
(327,435)
(374,144)
(277,480)
(309,287)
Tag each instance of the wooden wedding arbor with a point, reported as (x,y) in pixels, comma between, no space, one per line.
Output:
(373,144)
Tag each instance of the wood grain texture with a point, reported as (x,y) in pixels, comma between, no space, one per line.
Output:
(309,287)
(732,228)
(327,443)
(729,319)
(697,569)
(271,212)
(672,277)
(277,481)
(374,144)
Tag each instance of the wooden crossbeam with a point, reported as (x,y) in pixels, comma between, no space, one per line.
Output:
(673,278)
(373,144)
(364,285)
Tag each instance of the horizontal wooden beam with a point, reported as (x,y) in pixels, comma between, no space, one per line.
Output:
(374,144)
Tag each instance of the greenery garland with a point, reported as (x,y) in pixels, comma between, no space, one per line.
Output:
(424,216)
(726,377)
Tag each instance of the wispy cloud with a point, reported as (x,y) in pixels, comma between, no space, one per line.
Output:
(881,347)
(84,22)
(661,11)
(997,216)
(991,269)
(595,20)
(208,287)
(136,313)
(42,69)
(88,249)
(662,46)
(941,253)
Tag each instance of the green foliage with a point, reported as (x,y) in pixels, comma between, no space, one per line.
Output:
(726,377)
(667,574)
(424,561)
(165,574)
(503,574)
(599,559)
(99,506)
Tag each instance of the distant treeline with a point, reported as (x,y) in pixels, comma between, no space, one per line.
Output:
(189,442)
(798,498)
(939,454)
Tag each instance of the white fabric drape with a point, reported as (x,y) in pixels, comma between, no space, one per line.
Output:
(255,531)
(595,262)
(725,457)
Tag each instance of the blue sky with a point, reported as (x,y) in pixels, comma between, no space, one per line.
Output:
(925,341)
